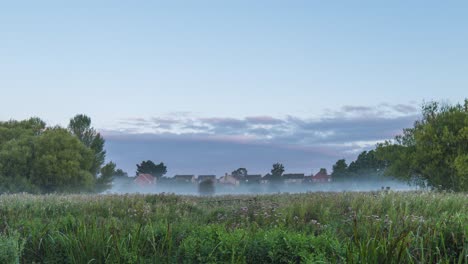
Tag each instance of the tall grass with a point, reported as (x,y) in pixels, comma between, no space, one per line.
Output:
(381,227)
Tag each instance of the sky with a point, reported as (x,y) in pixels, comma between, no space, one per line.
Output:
(210,86)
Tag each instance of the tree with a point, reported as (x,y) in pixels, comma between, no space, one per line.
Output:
(35,158)
(80,126)
(104,181)
(61,163)
(366,166)
(150,167)
(19,129)
(434,151)
(107,175)
(120,173)
(277,173)
(17,139)
(340,169)
(461,166)
(240,173)
(15,165)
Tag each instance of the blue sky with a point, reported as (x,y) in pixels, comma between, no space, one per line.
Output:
(217,71)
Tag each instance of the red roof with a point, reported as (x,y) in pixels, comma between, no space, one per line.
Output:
(321,175)
(144,179)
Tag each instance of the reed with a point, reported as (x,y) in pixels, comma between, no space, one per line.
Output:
(378,227)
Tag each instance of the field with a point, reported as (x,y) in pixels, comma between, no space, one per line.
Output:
(380,227)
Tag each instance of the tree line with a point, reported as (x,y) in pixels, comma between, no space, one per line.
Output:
(433,153)
(367,166)
(36,158)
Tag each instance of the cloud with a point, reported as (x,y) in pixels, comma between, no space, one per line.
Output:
(349,124)
(193,143)
(405,109)
(263,120)
(383,110)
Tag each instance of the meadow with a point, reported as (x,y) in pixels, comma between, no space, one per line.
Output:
(347,227)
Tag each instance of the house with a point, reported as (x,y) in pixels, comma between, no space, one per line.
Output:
(253,178)
(266,178)
(166,180)
(308,179)
(229,180)
(145,180)
(184,178)
(202,178)
(293,178)
(322,176)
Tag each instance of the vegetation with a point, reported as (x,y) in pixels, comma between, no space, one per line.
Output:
(240,173)
(150,167)
(277,173)
(381,227)
(367,166)
(39,159)
(435,151)
(80,126)
(109,172)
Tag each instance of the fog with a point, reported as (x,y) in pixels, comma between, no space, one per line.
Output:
(123,186)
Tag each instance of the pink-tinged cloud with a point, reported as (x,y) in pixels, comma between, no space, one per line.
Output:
(264,120)
(289,132)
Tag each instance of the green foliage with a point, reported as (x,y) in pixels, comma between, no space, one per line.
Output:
(150,167)
(11,248)
(120,173)
(34,158)
(366,162)
(17,129)
(434,150)
(277,173)
(80,126)
(367,166)
(108,172)
(340,169)
(107,175)
(461,166)
(422,227)
(240,173)
(62,162)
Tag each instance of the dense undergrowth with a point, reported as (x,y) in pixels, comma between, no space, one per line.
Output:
(379,227)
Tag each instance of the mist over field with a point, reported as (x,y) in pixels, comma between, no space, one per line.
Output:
(120,186)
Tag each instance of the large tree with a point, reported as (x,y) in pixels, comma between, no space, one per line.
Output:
(17,139)
(277,173)
(61,163)
(434,151)
(150,167)
(34,158)
(15,165)
(340,170)
(366,166)
(80,126)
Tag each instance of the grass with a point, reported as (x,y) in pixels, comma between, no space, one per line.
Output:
(381,227)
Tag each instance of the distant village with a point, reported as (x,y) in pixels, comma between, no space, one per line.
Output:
(146,180)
